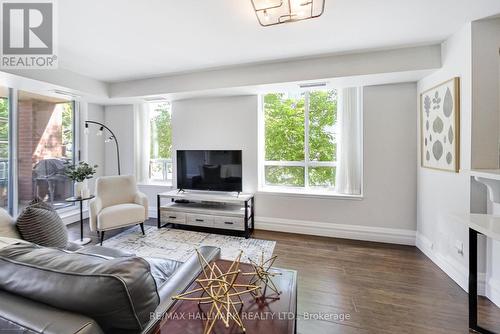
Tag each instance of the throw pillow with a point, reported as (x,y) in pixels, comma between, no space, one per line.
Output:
(42,227)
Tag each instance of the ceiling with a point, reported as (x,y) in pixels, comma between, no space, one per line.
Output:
(116,40)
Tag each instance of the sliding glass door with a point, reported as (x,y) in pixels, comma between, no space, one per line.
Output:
(46,144)
(4,148)
(37,141)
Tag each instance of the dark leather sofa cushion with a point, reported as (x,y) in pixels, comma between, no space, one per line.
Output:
(162,269)
(118,293)
(21,315)
(103,252)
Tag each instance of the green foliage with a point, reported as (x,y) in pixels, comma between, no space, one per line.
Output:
(4,128)
(322,176)
(285,137)
(322,118)
(161,130)
(4,107)
(284,127)
(67,128)
(81,172)
(285,176)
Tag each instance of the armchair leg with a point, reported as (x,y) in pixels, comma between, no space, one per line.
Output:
(142,228)
(102,237)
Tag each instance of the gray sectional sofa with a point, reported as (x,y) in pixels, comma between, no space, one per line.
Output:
(90,290)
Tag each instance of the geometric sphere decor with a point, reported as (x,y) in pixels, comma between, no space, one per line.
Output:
(219,290)
(263,276)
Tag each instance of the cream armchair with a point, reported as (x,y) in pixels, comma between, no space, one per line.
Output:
(118,203)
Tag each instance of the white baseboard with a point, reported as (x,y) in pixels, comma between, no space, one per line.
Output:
(355,232)
(493,291)
(152,213)
(73,216)
(458,272)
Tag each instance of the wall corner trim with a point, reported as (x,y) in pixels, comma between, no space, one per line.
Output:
(455,270)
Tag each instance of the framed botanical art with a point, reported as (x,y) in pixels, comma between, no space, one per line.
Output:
(440,126)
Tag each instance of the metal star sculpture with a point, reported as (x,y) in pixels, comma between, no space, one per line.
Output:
(220,290)
(262,275)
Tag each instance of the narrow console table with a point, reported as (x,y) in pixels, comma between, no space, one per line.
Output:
(210,211)
(488,226)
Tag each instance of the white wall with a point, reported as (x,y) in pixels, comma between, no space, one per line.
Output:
(219,123)
(57,79)
(443,194)
(388,210)
(485,131)
(120,119)
(316,68)
(485,98)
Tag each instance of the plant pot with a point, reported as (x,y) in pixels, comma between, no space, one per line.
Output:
(85,193)
(82,189)
(79,189)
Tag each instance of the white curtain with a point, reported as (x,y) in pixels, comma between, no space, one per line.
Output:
(348,177)
(142,142)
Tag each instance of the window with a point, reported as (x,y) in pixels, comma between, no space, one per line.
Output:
(300,146)
(4,148)
(160,163)
(46,144)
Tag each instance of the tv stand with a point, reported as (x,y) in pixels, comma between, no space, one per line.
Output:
(214,212)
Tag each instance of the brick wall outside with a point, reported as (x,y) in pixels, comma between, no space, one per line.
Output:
(40,137)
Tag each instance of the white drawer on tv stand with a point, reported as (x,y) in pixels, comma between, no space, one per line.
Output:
(173,217)
(229,223)
(200,220)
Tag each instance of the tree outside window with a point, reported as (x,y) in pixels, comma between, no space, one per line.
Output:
(300,142)
(4,129)
(160,168)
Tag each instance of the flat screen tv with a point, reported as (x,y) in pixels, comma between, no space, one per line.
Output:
(209,170)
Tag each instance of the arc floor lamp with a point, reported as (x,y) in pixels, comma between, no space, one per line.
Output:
(108,139)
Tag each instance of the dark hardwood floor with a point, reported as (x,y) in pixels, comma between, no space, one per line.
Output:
(377,288)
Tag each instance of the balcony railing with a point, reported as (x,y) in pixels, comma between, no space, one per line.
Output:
(160,169)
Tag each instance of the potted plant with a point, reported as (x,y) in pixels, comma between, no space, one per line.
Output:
(79,174)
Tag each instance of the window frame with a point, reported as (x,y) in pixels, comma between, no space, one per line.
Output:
(76,153)
(165,180)
(306,164)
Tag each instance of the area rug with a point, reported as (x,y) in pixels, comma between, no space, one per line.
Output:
(179,245)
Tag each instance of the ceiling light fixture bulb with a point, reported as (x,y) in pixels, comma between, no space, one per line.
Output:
(284,11)
(266,15)
(99,133)
(86,130)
